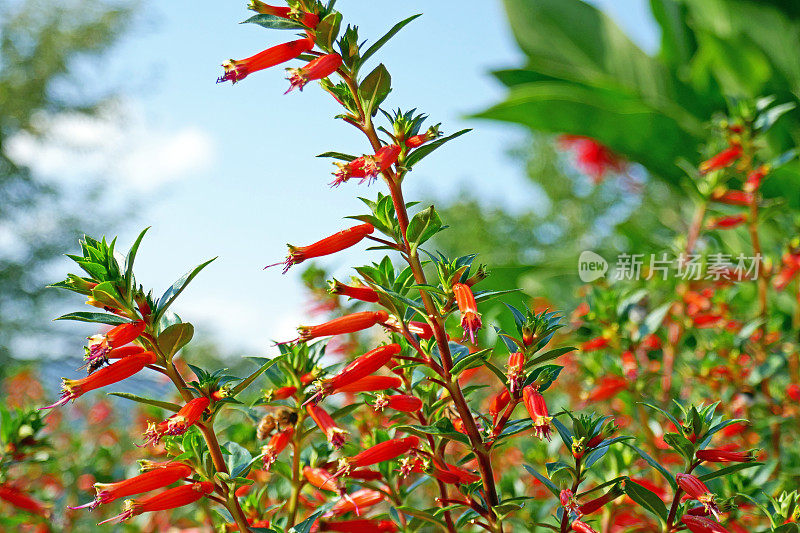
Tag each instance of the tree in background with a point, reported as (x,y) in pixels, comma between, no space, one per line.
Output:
(585,77)
(40,43)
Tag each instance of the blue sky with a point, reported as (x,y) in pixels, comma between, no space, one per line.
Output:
(230,171)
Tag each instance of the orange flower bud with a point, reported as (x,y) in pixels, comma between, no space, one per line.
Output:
(724,196)
(363,366)
(499,402)
(516,367)
(754,179)
(169,499)
(379,453)
(537,409)
(725,456)
(726,222)
(398,402)
(124,368)
(280,394)
(237,70)
(356,501)
(470,318)
(321,479)
(365,294)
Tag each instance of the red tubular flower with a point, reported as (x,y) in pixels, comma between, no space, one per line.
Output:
(499,402)
(100,345)
(723,159)
(281,393)
(591,157)
(356,501)
(630,366)
(277,443)
(790,268)
(594,344)
(365,294)
(329,245)
(20,500)
(725,456)
(125,351)
(470,318)
(169,499)
(150,480)
(371,384)
(310,20)
(319,68)
(237,70)
(537,409)
(699,524)
(178,423)
(322,479)
(363,525)
(598,503)
(453,474)
(726,222)
(334,434)
(362,367)
(697,490)
(607,387)
(793,391)
(379,453)
(398,402)
(124,368)
(343,325)
(367,167)
(582,527)
(422,329)
(516,366)
(754,179)
(416,141)
(731,197)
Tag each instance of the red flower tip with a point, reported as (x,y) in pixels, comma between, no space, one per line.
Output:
(537,409)
(365,294)
(237,70)
(726,222)
(516,367)
(367,167)
(697,490)
(154,478)
(333,433)
(725,456)
(100,346)
(398,402)
(582,527)
(723,159)
(169,499)
(470,318)
(699,524)
(178,423)
(327,246)
(277,443)
(319,68)
(591,157)
(379,453)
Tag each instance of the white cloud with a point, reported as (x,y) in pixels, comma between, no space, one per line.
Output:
(121,145)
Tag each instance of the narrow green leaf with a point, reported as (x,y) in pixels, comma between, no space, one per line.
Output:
(728,470)
(176,289)
(249,379)
(169,406)
(338,155)
(646,499)
(545,481)
(100,318)
(416,155)
(655,464)
(129,261)
(272,22)
(389,34)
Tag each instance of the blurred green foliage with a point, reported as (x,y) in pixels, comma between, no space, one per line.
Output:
(40,46)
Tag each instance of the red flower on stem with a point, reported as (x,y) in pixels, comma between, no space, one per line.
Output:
(322,479)
(699,524)
(516,367)
(697,490)
(537,409)
(725,222)
(122,369)
(470,318)
(20,500)
(359,525)
(169,499)
(723,159)
(594,344)
(237,70)
(725,456)
(101,345)
(367,167)
(150,480)
(356,501)
(362,367)
(281,393)
(592,157)
(319,68)
(178,423)
(333,433)
(327,246)
(607,387)
(754,179)
(371,384)
(379,453)
(365,294)
(277,443)
(415,141)
(398,402)
(499,402)
(582,527)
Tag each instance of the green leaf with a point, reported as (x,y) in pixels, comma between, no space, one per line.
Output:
(647,499)
(416,155)
(169,406)
(272,22)
(100,318)
(338,155)
(177,288)
(238,459)
(175,337)
(655,464)
(728,470)
(305,525)
(545,481)
(374,89)
(249,379)
(550,355)
(389,34)
(107,294)
(423,226)
(328,29)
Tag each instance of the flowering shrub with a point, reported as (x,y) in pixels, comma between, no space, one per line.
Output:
(446,422)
